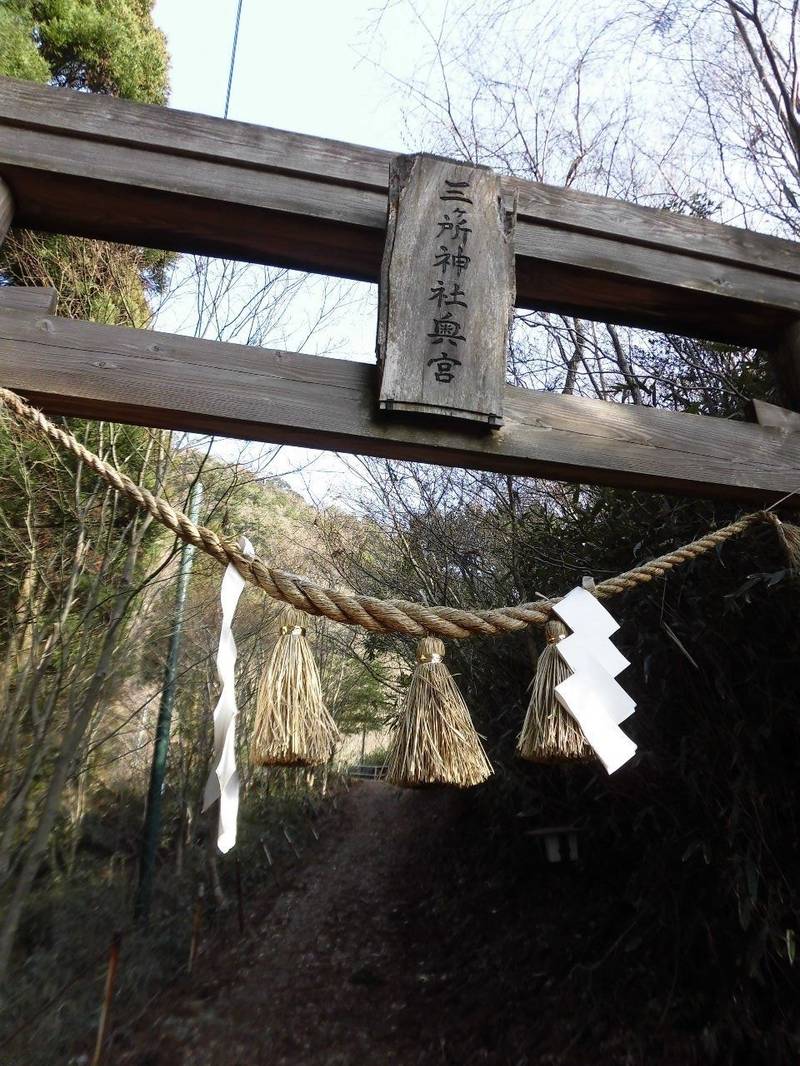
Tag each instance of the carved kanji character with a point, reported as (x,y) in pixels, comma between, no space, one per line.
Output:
(444,367)
(457,260)
(456,224)
(447,329)
(456,190)
(449,299)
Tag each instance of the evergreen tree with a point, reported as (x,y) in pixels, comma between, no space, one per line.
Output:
(100,46)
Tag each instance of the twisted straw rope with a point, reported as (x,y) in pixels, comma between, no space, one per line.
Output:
(349,608)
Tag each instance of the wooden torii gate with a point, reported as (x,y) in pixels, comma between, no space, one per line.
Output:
(100,167)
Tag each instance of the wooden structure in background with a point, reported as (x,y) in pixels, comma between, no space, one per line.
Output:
(106,168)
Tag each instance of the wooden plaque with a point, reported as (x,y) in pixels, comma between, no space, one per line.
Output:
(447,290)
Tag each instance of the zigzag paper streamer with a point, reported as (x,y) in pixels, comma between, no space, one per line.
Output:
(223,781)
(591,695)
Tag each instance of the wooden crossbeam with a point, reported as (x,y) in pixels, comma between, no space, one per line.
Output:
(34,299)
(107,168)
(180,383)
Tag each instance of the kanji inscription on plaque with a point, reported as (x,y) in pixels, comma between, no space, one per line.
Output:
(447,290)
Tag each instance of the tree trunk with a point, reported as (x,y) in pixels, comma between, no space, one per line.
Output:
(37,846)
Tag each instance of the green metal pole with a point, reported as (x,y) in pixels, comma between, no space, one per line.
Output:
(152,818)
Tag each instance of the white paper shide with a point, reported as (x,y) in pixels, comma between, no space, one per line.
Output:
(591,694)
(223,781)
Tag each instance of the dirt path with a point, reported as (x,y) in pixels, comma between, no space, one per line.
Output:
(336,974)
(420,933)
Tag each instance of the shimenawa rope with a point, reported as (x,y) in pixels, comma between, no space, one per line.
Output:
(350,608)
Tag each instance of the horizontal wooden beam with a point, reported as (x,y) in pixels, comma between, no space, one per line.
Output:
(100,167)
(34,299)
(180,383)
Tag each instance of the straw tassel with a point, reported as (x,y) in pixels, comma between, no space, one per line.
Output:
(549,732)
(293,726)
(435,741)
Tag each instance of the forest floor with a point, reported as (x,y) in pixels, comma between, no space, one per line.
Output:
(336,971)
(384,946)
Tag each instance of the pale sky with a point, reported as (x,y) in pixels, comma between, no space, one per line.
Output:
(322,67)
(299,67)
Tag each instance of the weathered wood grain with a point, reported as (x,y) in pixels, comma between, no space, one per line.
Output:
(652,227)
(112,169)
(6,210)
(181,383)
(110,120)
(446,291)
(34,299)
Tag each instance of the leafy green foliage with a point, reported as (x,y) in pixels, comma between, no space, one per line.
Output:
(103,46)
(19,56)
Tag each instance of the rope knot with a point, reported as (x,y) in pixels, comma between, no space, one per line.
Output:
(430,650)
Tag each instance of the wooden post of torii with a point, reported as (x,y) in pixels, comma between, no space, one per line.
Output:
(111,169)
